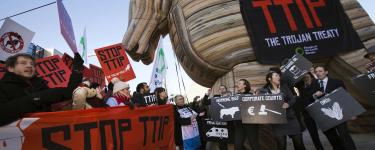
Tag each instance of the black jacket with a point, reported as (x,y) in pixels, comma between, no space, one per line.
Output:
(162,101)
(292,127)
(332,84)
(178,121)
(138,99)
(305,94)
(17,97)
(287,97)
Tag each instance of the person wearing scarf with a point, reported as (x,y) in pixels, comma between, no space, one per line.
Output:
(121,94)
(292,128)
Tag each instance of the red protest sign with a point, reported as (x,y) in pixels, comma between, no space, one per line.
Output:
(97,75)
(86,73)
(68,60)
(2,70)
(115,63)
(54,71)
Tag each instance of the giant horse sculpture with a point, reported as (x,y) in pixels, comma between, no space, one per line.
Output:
(211,42)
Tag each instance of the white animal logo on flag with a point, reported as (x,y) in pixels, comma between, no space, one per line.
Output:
(335,112)
(230,111)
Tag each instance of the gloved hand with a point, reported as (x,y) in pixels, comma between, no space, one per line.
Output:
(76,77)
(77,63)
(131,105)
(48,96)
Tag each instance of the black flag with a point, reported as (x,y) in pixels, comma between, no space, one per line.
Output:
(315,28)
(334,108)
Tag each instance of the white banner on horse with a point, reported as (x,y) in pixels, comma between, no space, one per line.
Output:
(159,71)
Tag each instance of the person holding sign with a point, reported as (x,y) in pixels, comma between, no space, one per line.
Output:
(186,126)
(251,131)
(305,87)
(292,127)
(138,96)
(338,136)
(22,92)
(223,91)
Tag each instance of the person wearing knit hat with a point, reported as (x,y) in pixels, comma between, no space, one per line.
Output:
(121,94)
(119,86)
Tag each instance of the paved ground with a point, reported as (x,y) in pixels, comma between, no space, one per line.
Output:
(362,141)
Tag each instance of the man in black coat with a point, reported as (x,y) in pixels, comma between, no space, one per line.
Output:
(138,96)
(22,92)
(338,136)
(223,91)
(304,87)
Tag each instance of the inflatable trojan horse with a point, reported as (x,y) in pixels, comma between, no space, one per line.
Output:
(213,44)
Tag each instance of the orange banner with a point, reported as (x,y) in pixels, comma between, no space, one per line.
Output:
(2,70)
(104,128)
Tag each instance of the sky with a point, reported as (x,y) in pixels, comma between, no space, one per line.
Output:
(106,23)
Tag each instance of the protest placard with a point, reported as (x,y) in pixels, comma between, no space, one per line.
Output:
(263,109)
(54,71)
(334,108)
(115,63)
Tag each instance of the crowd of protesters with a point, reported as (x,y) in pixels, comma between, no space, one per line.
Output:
(314,85)
(21,92)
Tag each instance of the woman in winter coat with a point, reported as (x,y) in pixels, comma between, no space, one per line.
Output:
(121,94)
(243,131)
(292,127)
(186,126)
(161,96)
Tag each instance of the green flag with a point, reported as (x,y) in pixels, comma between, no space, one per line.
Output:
(83,46)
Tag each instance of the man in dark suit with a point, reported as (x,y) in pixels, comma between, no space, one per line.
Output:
(338,136)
